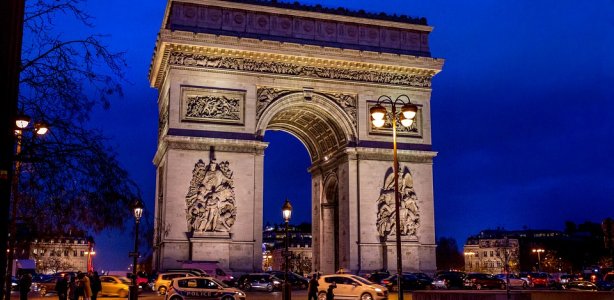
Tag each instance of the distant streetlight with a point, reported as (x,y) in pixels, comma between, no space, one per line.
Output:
(90,259)
(538,251)
(137,210)
(22,122)
(286,211)
(406,117)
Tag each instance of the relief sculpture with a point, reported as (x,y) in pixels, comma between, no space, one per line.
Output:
(409,211)
(210,200)
(208,107)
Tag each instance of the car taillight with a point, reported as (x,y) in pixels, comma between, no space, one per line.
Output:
(385,281)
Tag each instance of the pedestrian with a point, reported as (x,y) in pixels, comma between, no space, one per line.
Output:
(25,282)
(72,287)
(87,287)
(95,285)
(329,293)
(312,289)
(79,286)
(61,288)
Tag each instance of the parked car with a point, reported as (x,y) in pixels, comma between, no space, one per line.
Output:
(115,286)
(187,288)
(409,282)
(480,281)
(295,280)
(567,278)
(163,281)
(259,281)
(514,280)
(540,279)
(580,285)
(351,287)
(377,276)
(449,280)
(43,284)
(605,285)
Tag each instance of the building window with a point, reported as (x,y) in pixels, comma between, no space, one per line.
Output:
(82,253)
(34,251)
(74,253)
(65,252)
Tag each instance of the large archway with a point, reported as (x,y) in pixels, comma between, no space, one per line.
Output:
(228,71)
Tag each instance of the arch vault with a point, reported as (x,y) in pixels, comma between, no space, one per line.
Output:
(228,71)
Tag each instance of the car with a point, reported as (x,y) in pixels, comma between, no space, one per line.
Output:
(114,286)
(580,285)
(163,281)
(259,282)
(478,281)
(605,285)
(43,284)
(514,280)
(540,279)
(449,280)
(566,278)
(409,282)
(350,286)
(187,288)
(377,276)
(295,280)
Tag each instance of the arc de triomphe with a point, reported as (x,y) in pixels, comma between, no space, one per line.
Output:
(228,71)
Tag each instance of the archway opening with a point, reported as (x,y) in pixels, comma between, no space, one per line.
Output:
(286,175)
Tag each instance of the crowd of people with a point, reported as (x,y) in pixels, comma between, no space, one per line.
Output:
(80,286)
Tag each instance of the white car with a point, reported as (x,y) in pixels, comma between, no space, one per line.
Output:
(351,287)
(515,280)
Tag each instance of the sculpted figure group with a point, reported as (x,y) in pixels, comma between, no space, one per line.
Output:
(408,210)
(210,200)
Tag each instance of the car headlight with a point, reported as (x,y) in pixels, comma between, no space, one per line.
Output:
(276,282)
(378,290)
(241,294)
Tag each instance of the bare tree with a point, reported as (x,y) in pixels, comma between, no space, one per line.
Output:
(71,178)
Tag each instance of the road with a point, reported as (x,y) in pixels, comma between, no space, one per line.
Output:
(296,295)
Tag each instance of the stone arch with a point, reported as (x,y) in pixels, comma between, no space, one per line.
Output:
(319,123)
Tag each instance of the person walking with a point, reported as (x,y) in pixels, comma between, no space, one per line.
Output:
(329,293)
(25,282)
(312,289)
(87,287)
(72,287)
(96,285)
(61,288)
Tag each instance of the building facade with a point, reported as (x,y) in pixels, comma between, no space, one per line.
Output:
(55,254)
(229,71)
(491,255)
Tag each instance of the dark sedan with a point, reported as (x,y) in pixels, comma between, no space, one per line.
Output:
(409,282)
(480,281)
(259,282)
(295,280)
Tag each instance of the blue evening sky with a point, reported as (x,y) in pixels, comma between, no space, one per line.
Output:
(522,114)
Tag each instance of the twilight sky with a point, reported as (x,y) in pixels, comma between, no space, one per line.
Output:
(521,114)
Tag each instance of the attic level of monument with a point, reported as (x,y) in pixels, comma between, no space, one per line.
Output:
(298,26)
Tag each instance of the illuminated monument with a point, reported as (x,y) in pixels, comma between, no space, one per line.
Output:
(228,71)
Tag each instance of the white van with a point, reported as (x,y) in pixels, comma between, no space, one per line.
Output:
(212,268)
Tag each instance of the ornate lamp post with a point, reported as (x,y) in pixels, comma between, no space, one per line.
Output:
(137,209)
(406,117)
(40,128)
(538,251)
(286,211)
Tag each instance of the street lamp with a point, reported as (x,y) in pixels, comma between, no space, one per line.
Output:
(90,259)
(286,212)
(406,117)
(538,251)
(137,209)
(21,125)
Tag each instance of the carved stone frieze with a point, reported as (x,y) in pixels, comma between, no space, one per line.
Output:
(212,105)
(210,201)
(408,209)
(178,58)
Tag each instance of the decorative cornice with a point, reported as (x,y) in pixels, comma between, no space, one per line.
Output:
(414,156)
(277,58)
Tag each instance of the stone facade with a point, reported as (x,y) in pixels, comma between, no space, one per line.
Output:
(221,88)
